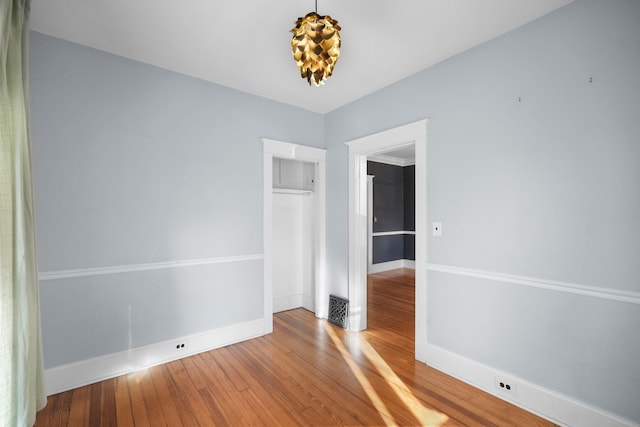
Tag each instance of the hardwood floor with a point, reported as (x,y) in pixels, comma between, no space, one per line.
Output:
(308,372)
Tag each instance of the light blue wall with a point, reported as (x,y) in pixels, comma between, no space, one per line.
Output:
(534,171)
(134,165)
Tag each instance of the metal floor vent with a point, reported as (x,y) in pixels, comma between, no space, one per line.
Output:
(338,311)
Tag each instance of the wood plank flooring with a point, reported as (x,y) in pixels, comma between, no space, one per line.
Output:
(308,372)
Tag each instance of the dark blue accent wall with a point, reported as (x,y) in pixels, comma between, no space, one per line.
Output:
(394,210)
(409,198)
(388,196)
(409,248)
(388,248)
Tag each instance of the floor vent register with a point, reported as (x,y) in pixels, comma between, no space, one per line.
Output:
(338,311)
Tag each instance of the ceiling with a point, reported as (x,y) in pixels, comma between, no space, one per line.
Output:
(402,156)
(245,44)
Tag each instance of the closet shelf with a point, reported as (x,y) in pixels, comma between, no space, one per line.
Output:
(290,191)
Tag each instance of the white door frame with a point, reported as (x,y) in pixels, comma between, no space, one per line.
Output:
(369,222)
(286,150)
(411,134)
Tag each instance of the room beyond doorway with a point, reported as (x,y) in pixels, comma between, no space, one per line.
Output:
(392,299)
(391,210)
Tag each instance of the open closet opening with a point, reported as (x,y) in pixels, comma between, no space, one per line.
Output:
(293,234)
(294,224)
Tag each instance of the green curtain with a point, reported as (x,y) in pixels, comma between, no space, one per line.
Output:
(21,368)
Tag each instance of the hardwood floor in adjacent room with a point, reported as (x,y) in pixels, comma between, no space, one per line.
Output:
(308,372)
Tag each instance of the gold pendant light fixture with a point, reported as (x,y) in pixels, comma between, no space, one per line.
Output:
(316,46)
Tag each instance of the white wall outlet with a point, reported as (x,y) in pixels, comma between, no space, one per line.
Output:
(506,386)
(180,345)
(437,229)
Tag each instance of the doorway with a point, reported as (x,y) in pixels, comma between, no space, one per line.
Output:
(391,210)
(359,149)
(315,156)
(294,212)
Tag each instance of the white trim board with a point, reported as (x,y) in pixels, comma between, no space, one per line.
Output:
(98,271)
(391,265)
(548,404)
(389,160)
(89,371)
(554,285)
(392,233)
(287,302)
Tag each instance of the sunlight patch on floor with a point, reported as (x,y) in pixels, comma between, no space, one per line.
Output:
(138,375)
(426,416)
(361,377)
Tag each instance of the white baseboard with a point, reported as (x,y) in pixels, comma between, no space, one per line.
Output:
(548,404)
(409,263)
(307,303)
(391,265)
(78,374)
(287,303)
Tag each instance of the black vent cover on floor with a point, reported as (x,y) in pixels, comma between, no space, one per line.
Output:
(338,311)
